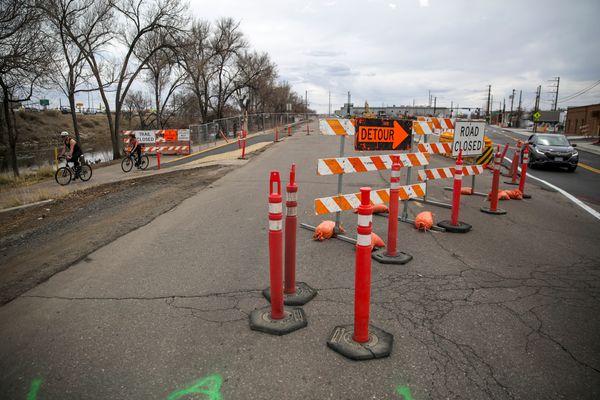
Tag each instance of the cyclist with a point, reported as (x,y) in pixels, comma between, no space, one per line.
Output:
(71,151)
(136,148)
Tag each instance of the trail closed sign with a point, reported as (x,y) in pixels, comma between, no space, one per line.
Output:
(145,137)
(468,137)
(382,134)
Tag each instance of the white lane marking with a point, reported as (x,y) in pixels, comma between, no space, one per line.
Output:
(564,193)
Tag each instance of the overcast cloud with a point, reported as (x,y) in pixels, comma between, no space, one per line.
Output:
(393,52)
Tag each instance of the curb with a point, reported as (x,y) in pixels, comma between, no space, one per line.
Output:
(26,205)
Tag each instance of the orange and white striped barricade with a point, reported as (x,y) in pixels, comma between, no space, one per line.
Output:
(446,173)
(341,127)
(434,148)
(346,165)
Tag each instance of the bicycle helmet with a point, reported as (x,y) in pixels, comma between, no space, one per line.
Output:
(64,134)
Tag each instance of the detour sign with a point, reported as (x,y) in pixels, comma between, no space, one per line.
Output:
(382,134)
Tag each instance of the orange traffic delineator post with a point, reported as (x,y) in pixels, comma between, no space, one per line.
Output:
(289,130)
(362,341)
(390,255)
(276,319)
(158,158)
(276,134)
(454,225)
(294,293)
(243,144)
(524,173)
(493,208)
(514,166)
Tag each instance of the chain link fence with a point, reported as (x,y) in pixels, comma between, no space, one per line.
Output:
(210,134)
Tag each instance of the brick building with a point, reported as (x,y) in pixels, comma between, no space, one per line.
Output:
(584,120)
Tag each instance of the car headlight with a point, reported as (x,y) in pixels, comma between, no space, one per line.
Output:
(575,153)
(538,151)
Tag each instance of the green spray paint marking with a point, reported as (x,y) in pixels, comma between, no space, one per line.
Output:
(404,392)
(210,386)
(34,389)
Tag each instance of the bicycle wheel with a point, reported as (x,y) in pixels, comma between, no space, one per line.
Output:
(127,164)
(63,176)
(144,162)
(86,172)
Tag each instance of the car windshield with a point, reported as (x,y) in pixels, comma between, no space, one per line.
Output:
(553,140)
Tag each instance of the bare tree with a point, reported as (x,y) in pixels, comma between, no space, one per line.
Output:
(23,61)
(255,78)
(136,102)
(227,45)
(195,58)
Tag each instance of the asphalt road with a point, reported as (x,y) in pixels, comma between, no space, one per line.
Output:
(506,311)
(583,183)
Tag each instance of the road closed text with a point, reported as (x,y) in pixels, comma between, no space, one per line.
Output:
(468,137)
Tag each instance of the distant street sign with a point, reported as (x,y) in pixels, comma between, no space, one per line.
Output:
(183,135)
(468,137)
(145,137)
(44,102)
(536,116)
(382,134)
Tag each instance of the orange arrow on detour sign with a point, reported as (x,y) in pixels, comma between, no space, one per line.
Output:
(380,135)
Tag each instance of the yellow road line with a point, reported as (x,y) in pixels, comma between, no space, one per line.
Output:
(596,170)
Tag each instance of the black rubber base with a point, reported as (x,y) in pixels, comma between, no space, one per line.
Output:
(511,183)
(526,196)
(380,255)
(488,210)
(462,227)
(260,320)
(379,345)
(303,295)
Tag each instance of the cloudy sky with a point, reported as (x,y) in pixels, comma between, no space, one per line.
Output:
(394,51)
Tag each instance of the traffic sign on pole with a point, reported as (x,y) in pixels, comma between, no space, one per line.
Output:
(468,137)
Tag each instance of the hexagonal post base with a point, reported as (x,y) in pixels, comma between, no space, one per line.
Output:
(462,227)
(260,320)
(379,345)
(380,255)
(303,295)
(488,210)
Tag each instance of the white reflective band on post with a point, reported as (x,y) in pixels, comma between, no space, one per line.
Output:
(291,211)
(364,220)
(275,225)
(363,240)
(395,185)
(395,174)
(275,208)
(292,196)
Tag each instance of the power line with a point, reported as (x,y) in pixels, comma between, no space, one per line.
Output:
(577,94)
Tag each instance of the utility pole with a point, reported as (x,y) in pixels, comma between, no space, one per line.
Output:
(348,104)
(555,102)
(330,103)
(512,100)
(429,104)
(306,111)
(451,107)
(434,105)
(537,106)
(519,109)
(489,105)
(503,110)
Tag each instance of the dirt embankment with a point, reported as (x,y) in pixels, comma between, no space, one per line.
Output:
(38,242)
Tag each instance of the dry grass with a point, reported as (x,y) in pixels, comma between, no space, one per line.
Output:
(27,197)
(42,174)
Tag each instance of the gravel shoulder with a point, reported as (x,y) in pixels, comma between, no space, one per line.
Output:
(40,241)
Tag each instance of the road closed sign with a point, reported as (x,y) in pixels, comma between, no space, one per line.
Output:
(145,137)
(468,137)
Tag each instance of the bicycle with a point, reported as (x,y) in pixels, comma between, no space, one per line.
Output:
(64,175)
(129,161)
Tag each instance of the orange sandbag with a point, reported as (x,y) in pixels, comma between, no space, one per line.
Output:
(325,230)
(515,194)
(466,190)
(377,209)
(424,220)
(502,195)
(376,241)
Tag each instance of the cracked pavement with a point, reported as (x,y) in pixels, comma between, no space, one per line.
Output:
(506,311)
